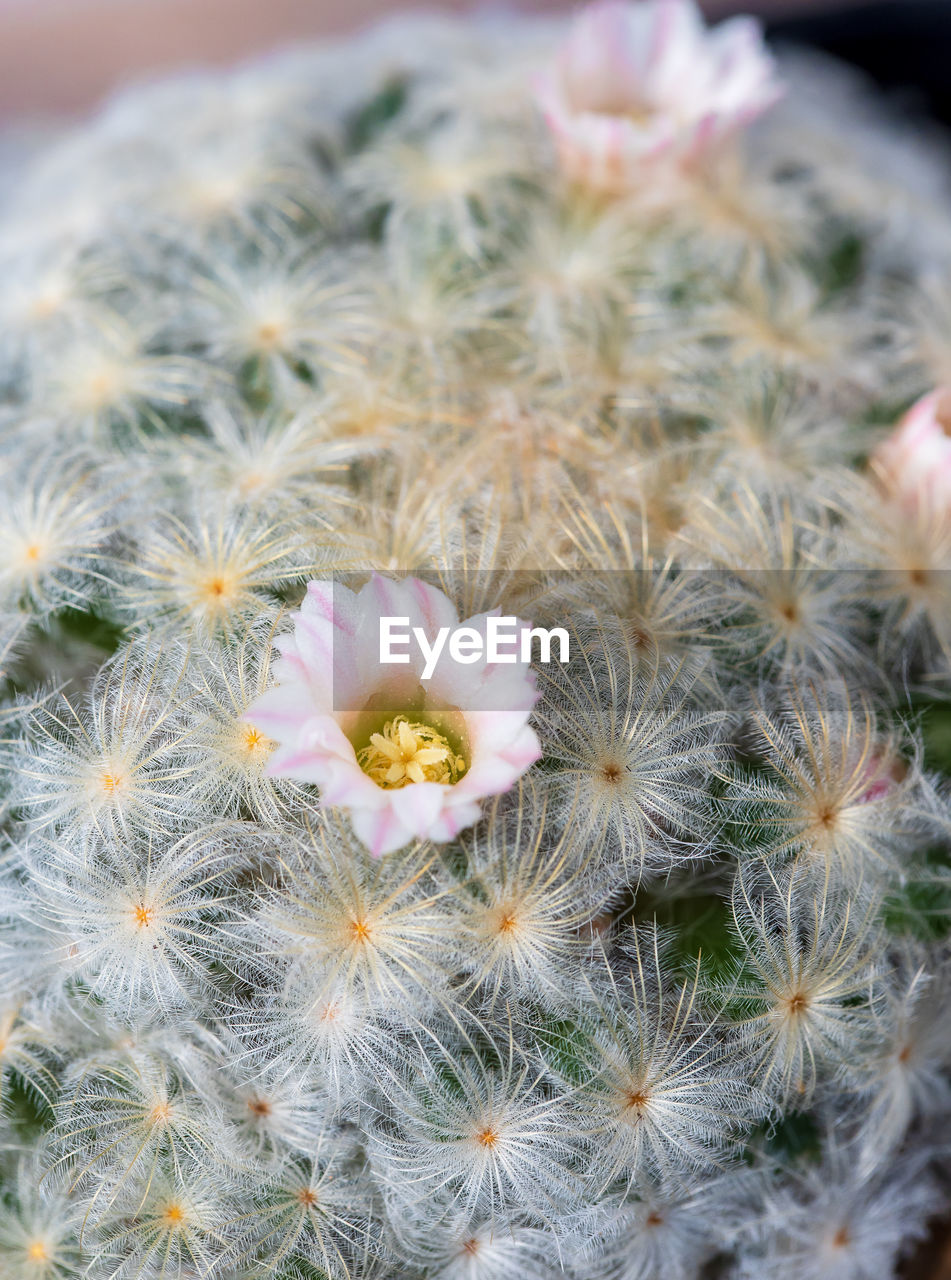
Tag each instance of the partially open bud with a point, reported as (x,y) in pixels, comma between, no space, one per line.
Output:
(914,463)
(644,85)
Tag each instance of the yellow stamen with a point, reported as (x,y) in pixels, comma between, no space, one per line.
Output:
(408,752)
(37,1252)
(174,1214)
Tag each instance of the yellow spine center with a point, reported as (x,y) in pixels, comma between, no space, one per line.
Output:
(797,1004)
(269,335)
(508,922)
(255,742)
(160,1113)
(360,930)
(143,916)
(635,1103)
(408,752)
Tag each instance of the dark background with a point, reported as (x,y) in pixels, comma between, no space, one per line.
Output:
(905,45)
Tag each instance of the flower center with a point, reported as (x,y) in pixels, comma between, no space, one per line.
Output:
(407,751)
(627,101)
(37,1252)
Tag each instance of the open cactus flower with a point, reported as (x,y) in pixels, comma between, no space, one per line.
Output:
(640,85)
(407,753)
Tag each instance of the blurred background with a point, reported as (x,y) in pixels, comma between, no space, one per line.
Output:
(58,57)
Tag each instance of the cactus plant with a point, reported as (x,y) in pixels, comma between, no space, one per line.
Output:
(623,961)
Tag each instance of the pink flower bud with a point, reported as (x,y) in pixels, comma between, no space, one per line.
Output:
(914,463)
(641,84)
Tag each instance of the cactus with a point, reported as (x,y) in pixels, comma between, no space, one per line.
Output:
(615,963)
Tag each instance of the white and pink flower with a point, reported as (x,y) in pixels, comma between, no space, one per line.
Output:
(914,463)
(641,85)
(407,759)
